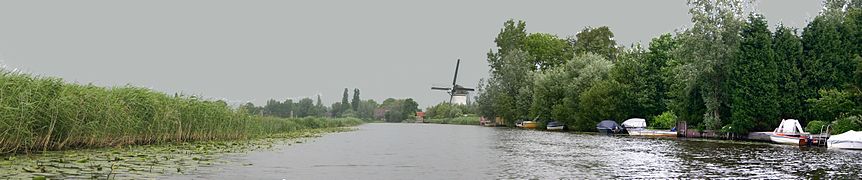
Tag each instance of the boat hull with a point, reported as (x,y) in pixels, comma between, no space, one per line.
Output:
(784,139)
(854,145)
(529,125)
(606,131)
(555,128)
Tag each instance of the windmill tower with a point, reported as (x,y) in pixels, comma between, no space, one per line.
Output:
(457,93)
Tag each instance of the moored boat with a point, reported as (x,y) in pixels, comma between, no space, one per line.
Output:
(608,127)
(638,127)
(848,140)
(529,124)
(555,126)
(789,132)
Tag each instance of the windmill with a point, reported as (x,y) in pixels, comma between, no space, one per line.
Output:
(457,93)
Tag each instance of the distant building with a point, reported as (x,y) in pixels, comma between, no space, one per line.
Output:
(420,116)
(459,96)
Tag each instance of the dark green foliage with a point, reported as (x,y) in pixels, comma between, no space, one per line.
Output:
(643,82)
(833,104)
(787,48)
(846,124)
(666,120)
(345,105)
(601,101)
(598,41)
(355,102)
(304,108)
(548,50)
(827,63)
(814,127)
(753,78)
(725,72)
(398,110)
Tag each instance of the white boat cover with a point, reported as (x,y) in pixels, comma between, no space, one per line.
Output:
(789,127)
(635,123)
(852,136)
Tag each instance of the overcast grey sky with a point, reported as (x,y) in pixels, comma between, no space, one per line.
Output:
(256,50)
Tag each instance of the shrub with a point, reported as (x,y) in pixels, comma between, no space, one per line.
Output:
(665,120)
(846,124)
(814,127)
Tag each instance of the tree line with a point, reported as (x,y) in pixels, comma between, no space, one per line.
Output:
(391,110)
(727,71)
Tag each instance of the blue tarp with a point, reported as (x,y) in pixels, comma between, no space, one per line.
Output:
(608,124)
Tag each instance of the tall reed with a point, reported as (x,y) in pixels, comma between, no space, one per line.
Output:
(45,113)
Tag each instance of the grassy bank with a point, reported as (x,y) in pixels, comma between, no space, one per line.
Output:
(44,113)
(469,120)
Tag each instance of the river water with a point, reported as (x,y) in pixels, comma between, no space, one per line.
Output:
(431,151)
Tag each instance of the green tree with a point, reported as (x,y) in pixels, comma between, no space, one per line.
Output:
(511,37)
(547,50)
(702,56)
(642,81)
(833,104)
(557,91)
(753,78)
(356,101)
(787,47)
(249,108)
(366,109)
(345,105)
(320,109)
(598,41)
(336,109)
(514,80)
(827,63)
(304,108)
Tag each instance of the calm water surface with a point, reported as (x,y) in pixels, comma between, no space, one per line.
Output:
(430,151)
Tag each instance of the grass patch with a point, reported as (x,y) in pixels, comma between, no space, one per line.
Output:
(468,120)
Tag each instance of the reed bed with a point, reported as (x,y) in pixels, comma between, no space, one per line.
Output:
(45,113)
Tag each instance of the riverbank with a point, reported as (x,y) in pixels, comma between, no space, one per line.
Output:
(470,120)
(144,162)
(44,113)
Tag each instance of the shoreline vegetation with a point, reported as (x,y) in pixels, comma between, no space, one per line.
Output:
(730,72)
(44,113)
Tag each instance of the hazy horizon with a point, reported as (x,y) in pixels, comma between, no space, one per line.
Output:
(253,51)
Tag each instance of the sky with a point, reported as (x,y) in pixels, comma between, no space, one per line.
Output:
(254,50)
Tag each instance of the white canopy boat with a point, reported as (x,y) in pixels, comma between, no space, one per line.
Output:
(789,132)
(638,127)
(848,140)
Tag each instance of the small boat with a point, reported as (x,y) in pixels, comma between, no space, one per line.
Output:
(519,124)
(789,132)
(529,124)
(637,127)
(848,140)
(486,122)
(608,127)
(634,125)
(555,125)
